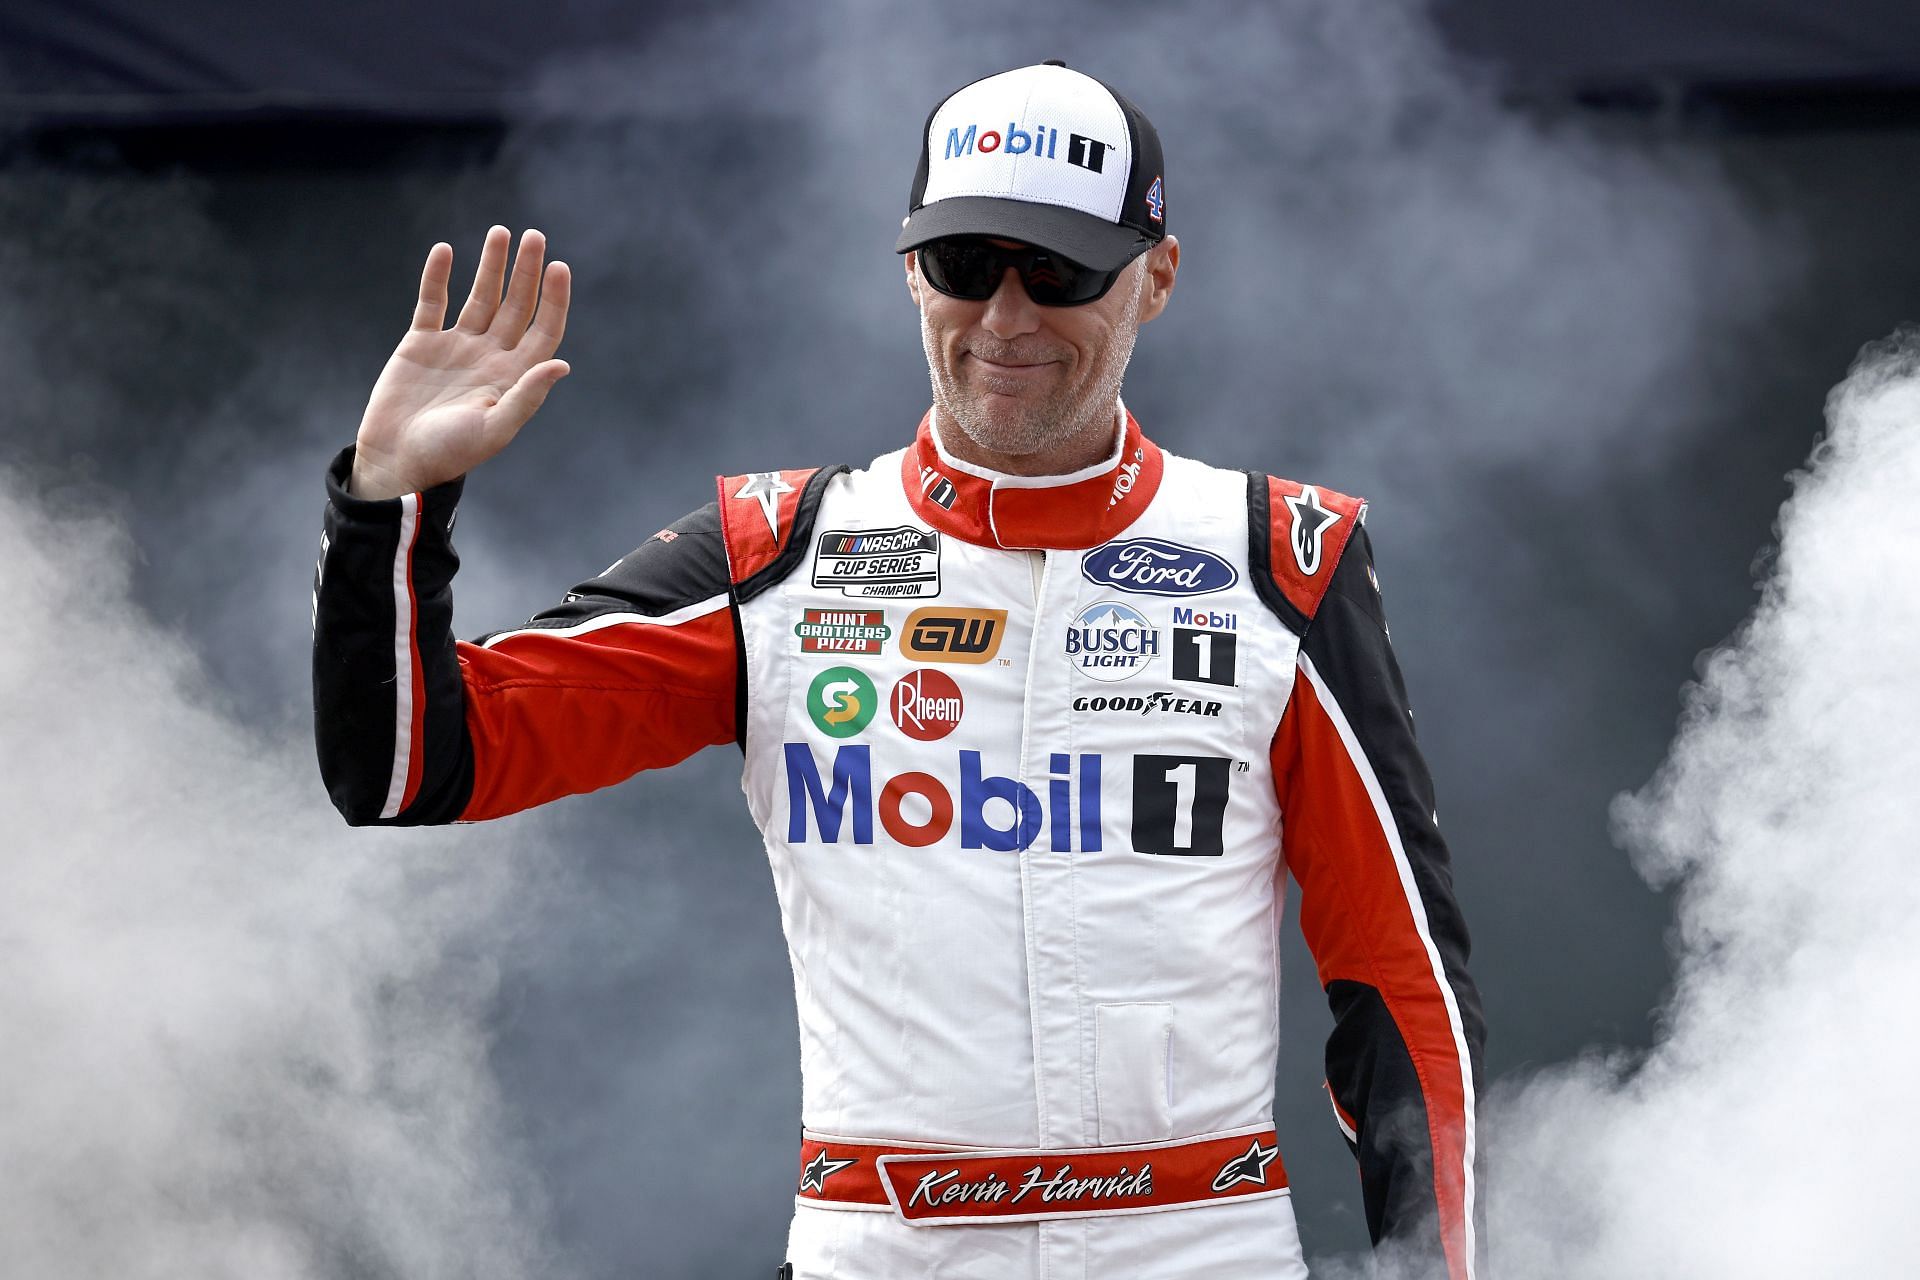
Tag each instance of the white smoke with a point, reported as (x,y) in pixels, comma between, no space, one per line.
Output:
(236,1038)
(1770,1131)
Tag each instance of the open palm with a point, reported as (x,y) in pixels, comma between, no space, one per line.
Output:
(449,399)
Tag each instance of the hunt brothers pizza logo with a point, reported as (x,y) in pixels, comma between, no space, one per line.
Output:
(842,631)
(1061,1187)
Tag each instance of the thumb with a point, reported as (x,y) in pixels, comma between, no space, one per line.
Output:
(524,397)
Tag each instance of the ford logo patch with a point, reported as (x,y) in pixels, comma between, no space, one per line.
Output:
(1156,567)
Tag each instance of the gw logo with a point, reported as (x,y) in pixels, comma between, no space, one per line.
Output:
(970,636)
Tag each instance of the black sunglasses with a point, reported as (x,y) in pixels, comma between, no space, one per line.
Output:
(972,267)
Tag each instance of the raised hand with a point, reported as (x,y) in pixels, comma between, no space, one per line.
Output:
(449,399)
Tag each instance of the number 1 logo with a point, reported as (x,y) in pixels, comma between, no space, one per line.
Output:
(1180,805)
(1204,657)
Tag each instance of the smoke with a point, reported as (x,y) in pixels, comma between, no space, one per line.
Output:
(1773,1107)
(239,1042)
(1768,1131)
(1384,264)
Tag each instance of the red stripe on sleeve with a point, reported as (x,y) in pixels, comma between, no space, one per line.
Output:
(555,715)
(1364,922)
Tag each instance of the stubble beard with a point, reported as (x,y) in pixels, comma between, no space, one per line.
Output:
(1030,426)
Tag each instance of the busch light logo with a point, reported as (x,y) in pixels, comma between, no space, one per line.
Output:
(917,809)
(1111,641)
(1156,567)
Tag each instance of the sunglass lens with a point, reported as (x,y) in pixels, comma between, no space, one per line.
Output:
(973,269)
(961,268)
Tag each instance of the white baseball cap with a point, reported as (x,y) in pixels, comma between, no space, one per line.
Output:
(1043,154)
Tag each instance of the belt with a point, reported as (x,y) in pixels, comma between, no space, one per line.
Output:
(951,1186)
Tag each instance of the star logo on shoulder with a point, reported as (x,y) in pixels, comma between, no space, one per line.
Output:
(767,486)
(1311,521)
(819,1169)
(1251,1167)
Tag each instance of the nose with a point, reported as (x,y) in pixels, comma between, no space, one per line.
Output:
(1010,312)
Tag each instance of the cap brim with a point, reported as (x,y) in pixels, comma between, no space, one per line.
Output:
(1088,240)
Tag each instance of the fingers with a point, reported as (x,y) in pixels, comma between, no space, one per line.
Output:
(484,300)
(510,322)
(430,312)
(522,399)
(550,321)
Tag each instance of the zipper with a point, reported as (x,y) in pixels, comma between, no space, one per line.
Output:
(1037,562)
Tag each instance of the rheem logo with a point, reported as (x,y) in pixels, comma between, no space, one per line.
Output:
(926,705)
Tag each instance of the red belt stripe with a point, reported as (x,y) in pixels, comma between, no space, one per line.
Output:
(934,1187)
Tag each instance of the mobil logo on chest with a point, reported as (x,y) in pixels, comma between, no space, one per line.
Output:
(840,805)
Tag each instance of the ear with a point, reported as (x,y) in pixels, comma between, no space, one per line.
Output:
(913,276)
(1162,265)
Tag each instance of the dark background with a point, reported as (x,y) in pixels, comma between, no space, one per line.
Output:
(1560,289)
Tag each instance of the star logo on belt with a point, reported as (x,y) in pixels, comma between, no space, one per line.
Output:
(1251,1167)
(819,1169)
(767,486)
(1311,521)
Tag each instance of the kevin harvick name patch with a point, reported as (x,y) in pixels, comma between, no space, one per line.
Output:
(898,563)
(934,1187)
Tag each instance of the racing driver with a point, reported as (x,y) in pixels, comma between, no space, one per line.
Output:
(1042,719)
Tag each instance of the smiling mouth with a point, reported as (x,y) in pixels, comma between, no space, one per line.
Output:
(1010,367)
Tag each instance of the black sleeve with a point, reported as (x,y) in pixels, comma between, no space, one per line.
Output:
(387,697)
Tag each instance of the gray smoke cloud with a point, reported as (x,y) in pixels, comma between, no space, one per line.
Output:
(237,1043)
(1771,1109)
(1768,1110)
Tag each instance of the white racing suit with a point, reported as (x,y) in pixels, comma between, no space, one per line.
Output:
(1034,759)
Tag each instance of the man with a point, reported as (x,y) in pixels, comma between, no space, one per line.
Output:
(1033,714)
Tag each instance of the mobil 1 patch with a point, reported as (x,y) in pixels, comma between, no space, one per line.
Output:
(1204,645)
(901,563)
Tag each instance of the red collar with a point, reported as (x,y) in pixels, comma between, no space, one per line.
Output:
(1070,512)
